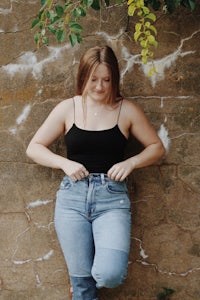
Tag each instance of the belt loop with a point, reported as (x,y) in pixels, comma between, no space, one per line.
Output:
(103,179)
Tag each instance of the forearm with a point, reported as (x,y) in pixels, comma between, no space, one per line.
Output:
(45,157)
(148,156)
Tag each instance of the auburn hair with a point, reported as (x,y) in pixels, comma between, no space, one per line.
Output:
(89,61)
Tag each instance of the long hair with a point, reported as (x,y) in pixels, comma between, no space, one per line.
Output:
(89,61)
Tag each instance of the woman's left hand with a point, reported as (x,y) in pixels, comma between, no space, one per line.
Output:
(121,170)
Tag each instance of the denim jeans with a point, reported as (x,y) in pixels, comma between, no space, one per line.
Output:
(93,221)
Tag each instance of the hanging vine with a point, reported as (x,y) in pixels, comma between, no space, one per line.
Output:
(61,18)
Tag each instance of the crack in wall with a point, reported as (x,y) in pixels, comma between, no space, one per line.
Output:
(28,60)
(143,262)
(167,61)
(183,274)
(6,11)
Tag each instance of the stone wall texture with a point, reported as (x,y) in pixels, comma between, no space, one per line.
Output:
(165,249)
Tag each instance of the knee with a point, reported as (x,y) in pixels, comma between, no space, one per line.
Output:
(109,274)
(109,278)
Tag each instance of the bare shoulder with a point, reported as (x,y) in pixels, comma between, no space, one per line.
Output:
(64,105)
(132,109)
(129,103)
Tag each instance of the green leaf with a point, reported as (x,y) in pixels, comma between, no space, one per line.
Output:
(50,14)
(171,5)
(52,29)
(192,4)
(73,39)
(188,3)
(79,12)
(45,40)
(59,10)
(55,19)
(35,22)
(169,291)
(107,2)
(96,5)
(43,2)
(88,3)
(36,37)
(67,6)
(155,4)
(41,14)
(161,296)
(79,37)
(75,27)
(60,35)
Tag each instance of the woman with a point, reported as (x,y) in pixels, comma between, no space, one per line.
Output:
(92,214)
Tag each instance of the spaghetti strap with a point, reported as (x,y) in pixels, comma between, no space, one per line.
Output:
(119,111)
(74,109)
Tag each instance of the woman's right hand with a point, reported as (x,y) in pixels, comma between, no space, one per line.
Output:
(74,170)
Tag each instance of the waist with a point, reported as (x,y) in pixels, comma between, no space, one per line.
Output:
(97,163)
(99,178)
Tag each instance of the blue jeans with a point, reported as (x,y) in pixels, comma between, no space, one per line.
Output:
(93,221)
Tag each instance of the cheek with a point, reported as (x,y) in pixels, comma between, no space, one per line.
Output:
(108,86)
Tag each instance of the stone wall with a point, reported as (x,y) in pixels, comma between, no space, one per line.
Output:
(165,249)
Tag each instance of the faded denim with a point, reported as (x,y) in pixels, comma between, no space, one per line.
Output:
(93,222)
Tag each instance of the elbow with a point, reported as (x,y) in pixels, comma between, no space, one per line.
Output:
(29,152)
(162,151)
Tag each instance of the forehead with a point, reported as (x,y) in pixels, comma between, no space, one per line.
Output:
(101,70)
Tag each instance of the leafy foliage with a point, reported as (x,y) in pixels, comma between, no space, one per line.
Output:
(166,294)
(61,18)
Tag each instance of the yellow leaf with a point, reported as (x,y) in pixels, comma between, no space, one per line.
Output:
(136,35)
(130,1)
(144,52)
(151,39)
(151,16)
(146,11)
(67,18)
(138,26)
(153,28)
(131,9)
(144,59)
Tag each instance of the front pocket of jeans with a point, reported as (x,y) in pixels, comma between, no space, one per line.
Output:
(65,184)
(116,188)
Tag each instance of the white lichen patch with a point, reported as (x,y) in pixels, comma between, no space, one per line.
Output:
(163,135)
(38,203)
(21,118)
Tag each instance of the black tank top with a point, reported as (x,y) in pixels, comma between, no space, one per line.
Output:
(97,150)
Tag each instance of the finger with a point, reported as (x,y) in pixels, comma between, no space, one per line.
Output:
(119,175)
(114,175)
(73,178)
(85,172)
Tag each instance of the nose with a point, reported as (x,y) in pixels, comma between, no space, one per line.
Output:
(99,85)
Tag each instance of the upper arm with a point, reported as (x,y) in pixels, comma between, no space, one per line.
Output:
(140,126)
(53,126)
